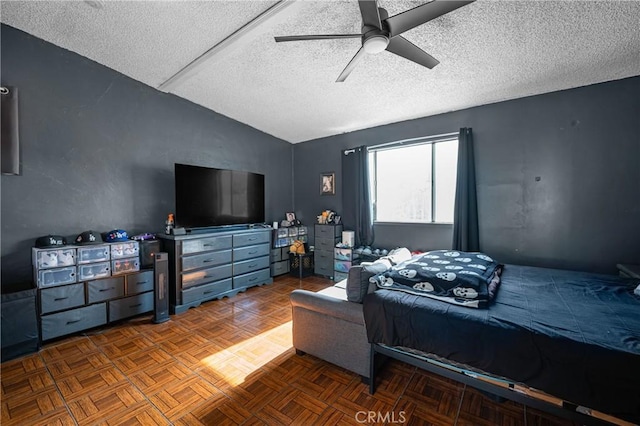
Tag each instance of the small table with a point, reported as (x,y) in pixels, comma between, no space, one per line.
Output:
(628,271)
(301,265)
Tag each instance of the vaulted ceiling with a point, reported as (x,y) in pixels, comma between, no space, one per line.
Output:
(489,51)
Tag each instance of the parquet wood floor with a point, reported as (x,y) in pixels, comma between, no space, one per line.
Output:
(228,362)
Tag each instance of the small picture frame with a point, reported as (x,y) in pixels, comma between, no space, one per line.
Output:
(327,183)
(291,217)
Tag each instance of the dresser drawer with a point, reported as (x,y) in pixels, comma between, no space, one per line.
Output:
(68,322)
(325,244)
(213,258)
(130,306)
(251,265)
(206,275)
(109,288)
(323,259)
(207,291)
(328,231)
(63,297)
(252,238)
(281,253)
(250,252)
(252,279)
(327,271)
(139,283)
(279,268)
(206,244)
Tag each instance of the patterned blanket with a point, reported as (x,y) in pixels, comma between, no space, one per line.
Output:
(461,278)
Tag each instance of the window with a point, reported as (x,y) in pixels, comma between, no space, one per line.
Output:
(414,181)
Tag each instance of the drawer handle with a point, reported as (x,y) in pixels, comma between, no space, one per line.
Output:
(208,260)
(253,265)
(207,292)
(107,289)
(135,306)
(73,322)
(142,282)
(57,299)
(253,279)
(253,252)
(207,245)
(252,239)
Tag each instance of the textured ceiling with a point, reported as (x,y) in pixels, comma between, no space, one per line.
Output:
(489,51)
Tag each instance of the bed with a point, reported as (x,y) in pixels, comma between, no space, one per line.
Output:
(574,336)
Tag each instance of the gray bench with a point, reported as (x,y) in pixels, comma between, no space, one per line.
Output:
(331,328)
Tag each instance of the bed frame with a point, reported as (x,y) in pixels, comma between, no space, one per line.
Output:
(484,382)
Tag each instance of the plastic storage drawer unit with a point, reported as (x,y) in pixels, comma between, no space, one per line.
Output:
(126,249)
(54,258)
(53,277)
(89,254)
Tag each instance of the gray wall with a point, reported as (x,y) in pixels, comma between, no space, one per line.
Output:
(98,150)
(583,144)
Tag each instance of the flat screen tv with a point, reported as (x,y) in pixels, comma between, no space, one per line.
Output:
(208,197)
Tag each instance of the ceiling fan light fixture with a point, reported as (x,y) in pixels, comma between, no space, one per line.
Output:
(376,44)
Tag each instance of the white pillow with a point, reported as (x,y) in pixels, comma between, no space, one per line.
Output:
(379,266)
(399,255)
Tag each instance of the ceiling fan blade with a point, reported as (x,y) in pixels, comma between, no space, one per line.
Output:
(315,37)
(350,66)
(419,15)
(403,47)
(370,14)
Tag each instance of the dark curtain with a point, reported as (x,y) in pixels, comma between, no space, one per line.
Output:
(465,213)
(9,134)
(357,214)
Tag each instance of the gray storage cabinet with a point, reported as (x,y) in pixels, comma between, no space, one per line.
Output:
(82,287)
(326,238)
(213,264)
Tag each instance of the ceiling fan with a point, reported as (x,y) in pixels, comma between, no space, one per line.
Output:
(381,32)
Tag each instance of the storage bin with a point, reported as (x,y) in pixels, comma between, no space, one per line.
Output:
(342,266)
(125,249)
(122,266)
(90,254)
(53,277)
(343,254)
(92,271)
(54,258)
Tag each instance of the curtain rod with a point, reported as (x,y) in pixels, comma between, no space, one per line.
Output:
(413,140)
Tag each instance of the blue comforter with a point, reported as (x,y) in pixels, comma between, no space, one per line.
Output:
(574,335)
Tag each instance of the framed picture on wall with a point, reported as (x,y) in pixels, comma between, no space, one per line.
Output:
(327,183)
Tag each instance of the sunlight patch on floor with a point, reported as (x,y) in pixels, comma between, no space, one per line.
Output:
(235,363)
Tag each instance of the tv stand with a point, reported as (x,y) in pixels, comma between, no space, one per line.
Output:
(210,263)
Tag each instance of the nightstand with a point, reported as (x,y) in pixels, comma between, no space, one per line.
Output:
(628,271)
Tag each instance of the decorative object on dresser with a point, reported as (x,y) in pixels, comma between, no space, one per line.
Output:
(326,238)
(210,264)
(88,285)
